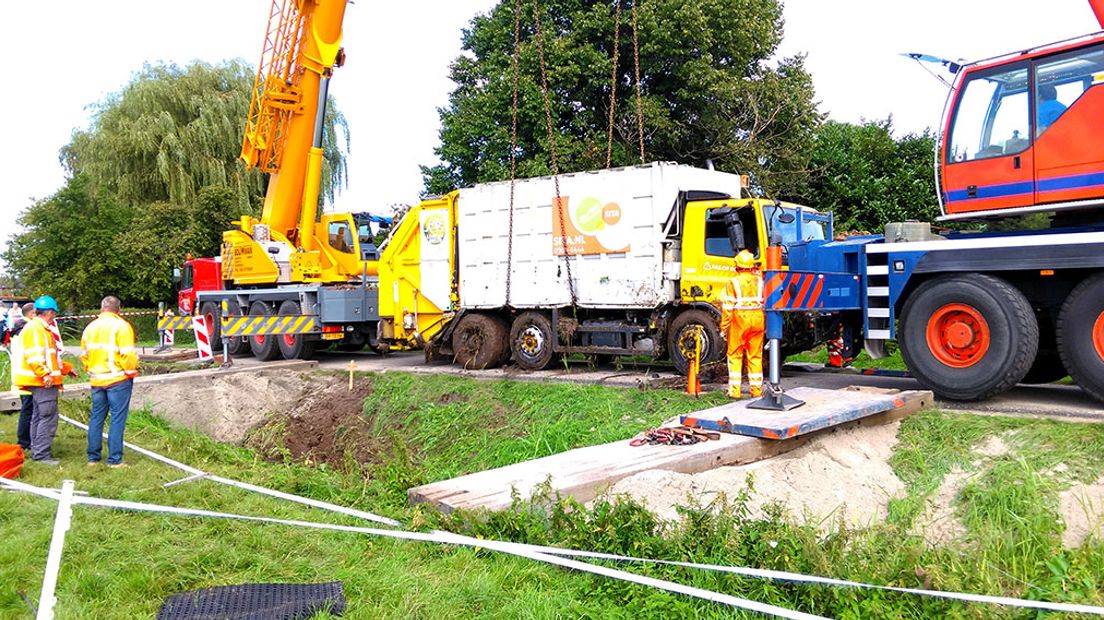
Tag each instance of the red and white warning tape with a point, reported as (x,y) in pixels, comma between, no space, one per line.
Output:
(73,317)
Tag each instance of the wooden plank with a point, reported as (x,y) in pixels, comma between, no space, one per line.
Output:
(585,473)
(822,409)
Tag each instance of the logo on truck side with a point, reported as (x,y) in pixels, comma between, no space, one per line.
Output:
(593,226)
(434,229)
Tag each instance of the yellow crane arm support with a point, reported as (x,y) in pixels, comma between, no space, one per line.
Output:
(283,134)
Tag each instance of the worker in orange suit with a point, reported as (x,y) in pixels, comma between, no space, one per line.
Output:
(743,326)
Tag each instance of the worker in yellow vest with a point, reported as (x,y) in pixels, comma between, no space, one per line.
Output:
(743,325)
(41,373)
(109,357)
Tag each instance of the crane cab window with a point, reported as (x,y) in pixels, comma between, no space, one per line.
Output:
(187,277)
(717,242)
(1061,80)
(341,237)
(992,117)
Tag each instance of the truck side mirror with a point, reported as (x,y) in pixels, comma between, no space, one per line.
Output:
(176,275)
(786,218)
(735,231)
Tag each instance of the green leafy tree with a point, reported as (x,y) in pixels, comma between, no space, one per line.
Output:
(709,93)
(155,176)
(867,178)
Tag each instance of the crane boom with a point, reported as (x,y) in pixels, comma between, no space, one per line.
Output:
(1098,10)
(302,46)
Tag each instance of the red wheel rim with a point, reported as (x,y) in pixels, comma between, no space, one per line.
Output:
(1098,335)
(289,340)
(259,340)
(958,335)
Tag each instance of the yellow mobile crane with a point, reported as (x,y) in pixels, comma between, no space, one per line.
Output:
(291,261)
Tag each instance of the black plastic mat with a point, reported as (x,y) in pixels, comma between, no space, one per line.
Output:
(256,601)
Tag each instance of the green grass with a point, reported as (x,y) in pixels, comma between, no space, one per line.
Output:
(820,356)
(122,565)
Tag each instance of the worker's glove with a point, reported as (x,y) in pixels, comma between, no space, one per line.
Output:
(48,381)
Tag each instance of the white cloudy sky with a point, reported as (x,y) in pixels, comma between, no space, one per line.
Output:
(66,54)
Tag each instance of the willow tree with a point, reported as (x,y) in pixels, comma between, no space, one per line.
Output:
(154,176)
(711,88)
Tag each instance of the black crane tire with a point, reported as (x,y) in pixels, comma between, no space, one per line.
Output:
(968,336)
(1081,335)
(295,346)
(480,341)
(265,348)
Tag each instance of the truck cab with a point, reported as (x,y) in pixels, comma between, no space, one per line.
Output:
(197,274)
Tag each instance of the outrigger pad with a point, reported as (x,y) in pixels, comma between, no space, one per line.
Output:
(256,601)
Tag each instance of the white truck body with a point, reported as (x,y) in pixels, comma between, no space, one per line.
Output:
(615,220)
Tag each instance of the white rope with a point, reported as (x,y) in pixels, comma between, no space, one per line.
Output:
(515,549)
(556,551)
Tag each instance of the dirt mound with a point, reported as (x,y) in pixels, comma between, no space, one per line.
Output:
(329,426)
(939,524)
(226,407)
(840,478)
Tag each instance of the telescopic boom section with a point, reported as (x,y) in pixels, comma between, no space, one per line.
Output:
(283,132)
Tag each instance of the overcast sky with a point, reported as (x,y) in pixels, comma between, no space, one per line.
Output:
(66,54)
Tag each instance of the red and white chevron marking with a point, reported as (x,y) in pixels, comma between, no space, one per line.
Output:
(203,337)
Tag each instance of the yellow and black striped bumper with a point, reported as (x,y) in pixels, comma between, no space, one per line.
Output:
(233,326)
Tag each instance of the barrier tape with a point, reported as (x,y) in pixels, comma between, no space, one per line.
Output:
(515,549)
(768,574)
(269,325)
(73,317)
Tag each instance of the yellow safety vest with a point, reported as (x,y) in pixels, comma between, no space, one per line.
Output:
(41,357)
(744,292)
(107,350)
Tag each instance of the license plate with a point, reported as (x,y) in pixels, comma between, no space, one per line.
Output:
(334,336)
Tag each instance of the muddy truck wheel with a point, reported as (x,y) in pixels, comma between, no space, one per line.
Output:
(968,337)
(531,340)
(680,339)
(1081,335)
(480,341)
(265,348)
(295,346)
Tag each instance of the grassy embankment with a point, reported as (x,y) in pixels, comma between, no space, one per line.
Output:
(122,565)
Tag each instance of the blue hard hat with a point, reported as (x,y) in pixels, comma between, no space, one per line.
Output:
(46,303)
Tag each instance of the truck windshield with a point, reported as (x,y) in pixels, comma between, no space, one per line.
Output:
(186,278)
(787,232)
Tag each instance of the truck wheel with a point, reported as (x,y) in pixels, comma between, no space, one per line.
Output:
(1081,335)
(265,348)
(209,310)
(480,341)
(1048,368)
(531,340)
(295,346)
(968,337)
(238,346)
(680,339)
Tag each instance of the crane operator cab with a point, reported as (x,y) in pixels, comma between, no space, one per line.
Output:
(1022,133)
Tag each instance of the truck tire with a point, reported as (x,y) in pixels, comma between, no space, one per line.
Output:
(531,340)
(295,346)
(680,339)
(480,341)
(1081,335)
(1048,368)
(265,348)
(239,347)
(968,337)
(209,310)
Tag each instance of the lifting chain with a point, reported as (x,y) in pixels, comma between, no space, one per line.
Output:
(639,96)
(558,204)
(513,152)
(613,80)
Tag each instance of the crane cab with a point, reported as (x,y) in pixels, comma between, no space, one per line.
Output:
(1022,133)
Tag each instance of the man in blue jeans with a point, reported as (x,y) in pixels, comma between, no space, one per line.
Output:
(109,356)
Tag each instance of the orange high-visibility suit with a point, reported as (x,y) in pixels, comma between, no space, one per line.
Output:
(743,326)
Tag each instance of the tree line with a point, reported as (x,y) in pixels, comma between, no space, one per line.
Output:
(156,176)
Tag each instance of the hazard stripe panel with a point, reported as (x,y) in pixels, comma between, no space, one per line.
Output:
(269,325)
(174,322)
(795,290)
